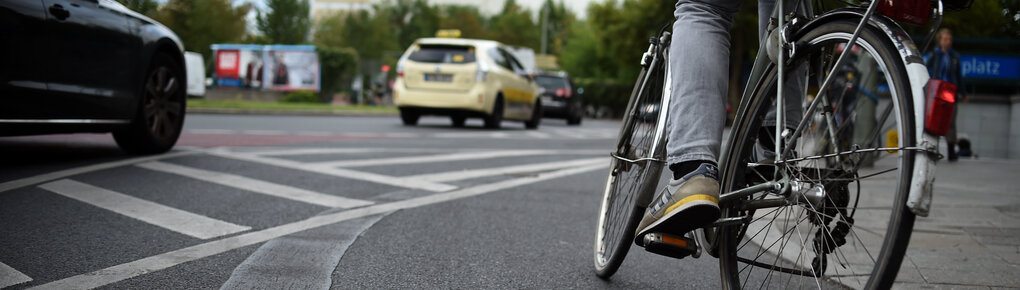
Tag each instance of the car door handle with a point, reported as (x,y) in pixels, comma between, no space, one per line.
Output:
(59,12)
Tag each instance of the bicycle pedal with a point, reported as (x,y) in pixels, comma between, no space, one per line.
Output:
(671,246)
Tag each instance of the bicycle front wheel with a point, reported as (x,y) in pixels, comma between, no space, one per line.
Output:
(844,218)
(632,176)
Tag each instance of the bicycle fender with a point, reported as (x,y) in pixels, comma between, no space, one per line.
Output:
(921,184)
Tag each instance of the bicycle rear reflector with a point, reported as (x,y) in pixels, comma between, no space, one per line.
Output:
(940,97)
(910,11)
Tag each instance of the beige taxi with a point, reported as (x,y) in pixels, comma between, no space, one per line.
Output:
(465,78)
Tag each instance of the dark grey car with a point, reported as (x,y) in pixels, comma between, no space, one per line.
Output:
(90,66)
(560,98)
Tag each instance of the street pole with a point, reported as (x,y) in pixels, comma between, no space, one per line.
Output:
(545,27)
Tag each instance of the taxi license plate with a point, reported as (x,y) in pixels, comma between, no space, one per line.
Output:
(446,78)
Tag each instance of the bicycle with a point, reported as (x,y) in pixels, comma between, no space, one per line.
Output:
(817,210)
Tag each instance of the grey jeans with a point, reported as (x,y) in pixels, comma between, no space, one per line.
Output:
(699,60)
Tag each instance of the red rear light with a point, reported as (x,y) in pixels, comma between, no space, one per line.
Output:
(940,97)
(909,11)
(400,74)
(563,93)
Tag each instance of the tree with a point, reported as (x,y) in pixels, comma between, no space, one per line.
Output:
(558,29)
(513,26)
(465,18)
(145,7)
(286,22)
(200,23)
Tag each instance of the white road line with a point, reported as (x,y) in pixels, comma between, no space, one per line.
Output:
(166,260)
(313,133)
(377,178)
(210,131)
(264,132)
(259,186)
(568,134)
(538,135)
(431,158)
(150,212)
(483,172)
(10,277)
(313,151)
(19,183)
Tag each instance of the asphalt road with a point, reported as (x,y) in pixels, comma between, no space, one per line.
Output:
(274,202)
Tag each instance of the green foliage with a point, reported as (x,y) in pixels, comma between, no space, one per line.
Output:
(463,17)
(513,26)
(146,7)
(300,97)
(559,27)
(286,22)
(337,65)
(200,23)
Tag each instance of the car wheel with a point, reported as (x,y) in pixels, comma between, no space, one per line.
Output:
(458,121)
(536,117)
(160,116)
(493,121)
(574,116)
(409,117)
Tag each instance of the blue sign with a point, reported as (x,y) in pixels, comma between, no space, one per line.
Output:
(990,67)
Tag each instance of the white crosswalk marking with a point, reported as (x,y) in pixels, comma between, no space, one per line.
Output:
(259,186)
(10,277)
(173,219)
(484,172)
(432,158)
(339,172)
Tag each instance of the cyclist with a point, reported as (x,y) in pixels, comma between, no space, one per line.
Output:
(699,58)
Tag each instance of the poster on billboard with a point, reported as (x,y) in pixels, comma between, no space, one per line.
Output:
(288,70)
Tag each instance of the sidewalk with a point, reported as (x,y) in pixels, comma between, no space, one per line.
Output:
(971,239)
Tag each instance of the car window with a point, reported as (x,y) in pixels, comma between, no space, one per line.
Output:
(551,82)
(498,57)
(514,63)
(432,53)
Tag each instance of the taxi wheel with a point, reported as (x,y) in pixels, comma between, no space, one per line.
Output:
(409,117)
(493,121)
(458,121)
(536,117)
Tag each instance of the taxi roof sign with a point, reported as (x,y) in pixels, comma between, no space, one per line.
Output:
(448,33)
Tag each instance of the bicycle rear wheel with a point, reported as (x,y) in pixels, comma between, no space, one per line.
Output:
(845,219)
(631,182)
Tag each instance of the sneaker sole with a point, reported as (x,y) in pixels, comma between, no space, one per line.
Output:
(685,218)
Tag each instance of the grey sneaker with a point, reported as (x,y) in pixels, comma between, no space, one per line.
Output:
(685,204)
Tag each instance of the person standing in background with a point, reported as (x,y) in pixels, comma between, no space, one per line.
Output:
(944,64)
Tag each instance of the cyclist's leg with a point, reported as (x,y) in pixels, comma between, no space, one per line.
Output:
(699,64)
(699,60)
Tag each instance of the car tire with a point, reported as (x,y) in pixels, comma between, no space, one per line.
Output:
(160,115)
(536,117)
(493,120)
(409,117)
(574,115)
(458,121)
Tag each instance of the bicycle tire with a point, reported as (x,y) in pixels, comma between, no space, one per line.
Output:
(629,184)
(780,264)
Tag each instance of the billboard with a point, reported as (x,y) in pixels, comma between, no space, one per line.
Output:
(267,67)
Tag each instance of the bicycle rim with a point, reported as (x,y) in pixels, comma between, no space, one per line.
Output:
(851,227)
(628,183)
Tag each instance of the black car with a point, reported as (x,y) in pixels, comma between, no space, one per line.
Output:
(90,66)
(560,98)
